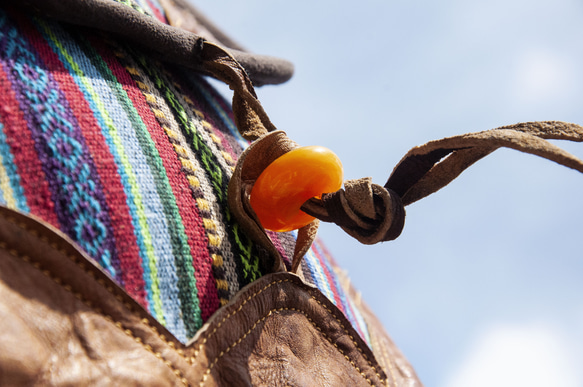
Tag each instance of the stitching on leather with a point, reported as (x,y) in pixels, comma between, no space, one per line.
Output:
(100,281)
(277,310)
(79,296)
(385,355)
(231,314)
(171,344)
(347,285)
(383,381)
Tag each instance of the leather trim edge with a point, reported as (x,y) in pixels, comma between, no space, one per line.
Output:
(54,255)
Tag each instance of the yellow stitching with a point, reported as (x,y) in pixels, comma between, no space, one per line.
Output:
(385,354)
(108,318)
(231,314)
(214,240)
(277,310)
(383,381)
(390,363)
(57,280)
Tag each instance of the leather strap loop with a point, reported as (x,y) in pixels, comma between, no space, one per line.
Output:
(372,213)
(366,211)
(428,168)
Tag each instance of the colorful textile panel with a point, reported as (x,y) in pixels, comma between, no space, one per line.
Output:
(131,159)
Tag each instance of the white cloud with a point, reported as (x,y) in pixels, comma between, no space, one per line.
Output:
(515,355)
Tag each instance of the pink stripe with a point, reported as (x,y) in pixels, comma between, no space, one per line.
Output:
(328,256)
(187,207)
(277,243)
(19,138)
(126,244)
(329,279)
(157,12)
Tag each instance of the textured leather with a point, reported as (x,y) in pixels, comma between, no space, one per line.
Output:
(168,43)
(64,322)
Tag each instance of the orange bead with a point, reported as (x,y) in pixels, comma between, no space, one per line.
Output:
(289,181)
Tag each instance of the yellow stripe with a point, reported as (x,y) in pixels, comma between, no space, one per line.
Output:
(215,138)
(180,150)
(193,181)
(228,158)
(186,163)
(142,85)
(203,204)
(217,260)
(158,113)
(170,133)
(132,70)
(5,186)
(198,113)
(150,98)
(209,224)
(222,284)
(214,240)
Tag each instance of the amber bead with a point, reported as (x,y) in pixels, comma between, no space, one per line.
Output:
(289,181)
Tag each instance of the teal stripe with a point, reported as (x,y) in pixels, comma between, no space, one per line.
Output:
(92,94)
(17,192)
(148,202)
(220,112)
(178,238)
(360,321)
(248,261)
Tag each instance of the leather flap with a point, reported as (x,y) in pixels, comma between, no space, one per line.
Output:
(63,321)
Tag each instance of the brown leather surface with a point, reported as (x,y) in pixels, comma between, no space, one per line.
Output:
(285,333)
(168,43)
(64,322)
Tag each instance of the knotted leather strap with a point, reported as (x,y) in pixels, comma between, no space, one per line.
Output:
(369,212)
(372,213)
(428,168)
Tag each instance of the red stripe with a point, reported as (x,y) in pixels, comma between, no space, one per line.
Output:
(157,13)
(236,151)
(279,247)
(209,116)
(125,240)
(19,138)
(187,207)
(322,247)
(329,279)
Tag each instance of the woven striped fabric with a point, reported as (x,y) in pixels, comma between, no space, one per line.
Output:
(131,159)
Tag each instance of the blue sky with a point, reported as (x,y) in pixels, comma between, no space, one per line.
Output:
(484,285)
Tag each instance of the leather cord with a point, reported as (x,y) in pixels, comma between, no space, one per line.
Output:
(428,168)
(369,212)
(372,213)
(168,43)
